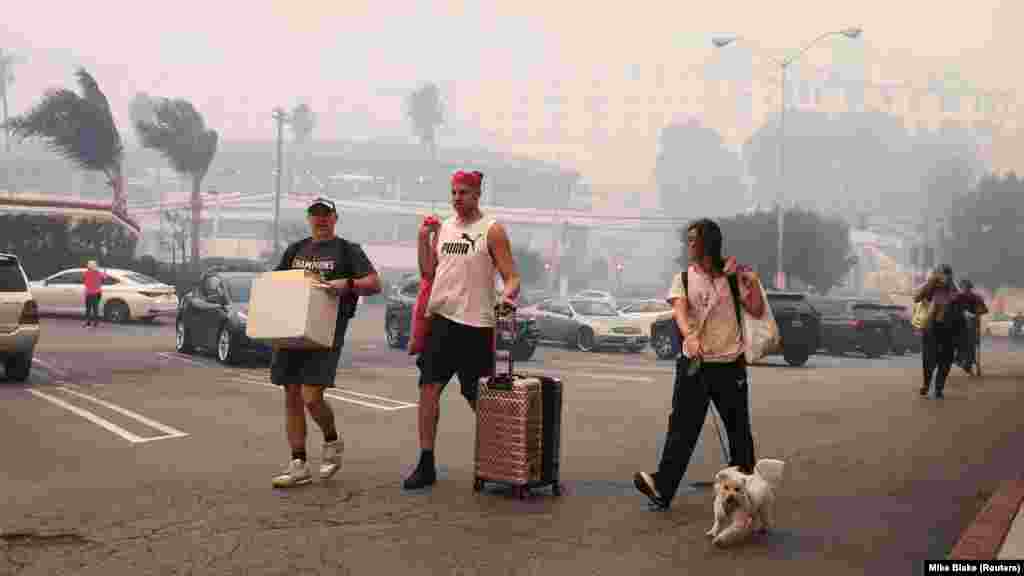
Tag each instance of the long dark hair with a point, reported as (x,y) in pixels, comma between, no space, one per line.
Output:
(711,241)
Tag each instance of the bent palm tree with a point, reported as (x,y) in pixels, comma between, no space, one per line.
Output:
(79,128)
(179,134)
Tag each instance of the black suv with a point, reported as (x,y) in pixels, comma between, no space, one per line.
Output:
(799,327)
(398,322)
(213,315)
(853,325)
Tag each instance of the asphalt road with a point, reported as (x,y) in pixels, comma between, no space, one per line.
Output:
(122,456)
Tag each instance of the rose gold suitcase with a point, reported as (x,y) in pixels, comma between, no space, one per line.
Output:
(518,423)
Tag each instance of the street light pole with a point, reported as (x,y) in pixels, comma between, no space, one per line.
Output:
(280,117)
(780,279)
(851,33)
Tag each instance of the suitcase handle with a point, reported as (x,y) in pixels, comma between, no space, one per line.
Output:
(505,330)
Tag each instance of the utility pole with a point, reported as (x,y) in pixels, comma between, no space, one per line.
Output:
(280,117)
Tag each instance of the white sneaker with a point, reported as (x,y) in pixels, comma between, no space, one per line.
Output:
(330,459)
(296,474)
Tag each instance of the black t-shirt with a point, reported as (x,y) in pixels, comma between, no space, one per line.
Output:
(333,259)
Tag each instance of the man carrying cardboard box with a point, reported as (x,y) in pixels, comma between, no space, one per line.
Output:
(470,250)
(346,272)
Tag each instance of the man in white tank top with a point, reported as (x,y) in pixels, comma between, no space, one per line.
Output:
(471,249)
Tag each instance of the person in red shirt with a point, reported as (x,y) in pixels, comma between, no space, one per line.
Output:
(93,293)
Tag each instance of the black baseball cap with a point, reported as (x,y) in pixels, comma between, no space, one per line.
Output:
(325,202)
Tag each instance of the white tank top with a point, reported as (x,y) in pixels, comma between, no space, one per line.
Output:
(464,281)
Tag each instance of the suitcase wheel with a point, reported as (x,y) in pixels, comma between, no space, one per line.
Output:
(478,484)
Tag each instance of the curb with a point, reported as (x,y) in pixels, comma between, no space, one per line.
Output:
(984,537)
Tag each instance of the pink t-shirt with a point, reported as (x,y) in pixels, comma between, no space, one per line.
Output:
(711,303)
(93,281)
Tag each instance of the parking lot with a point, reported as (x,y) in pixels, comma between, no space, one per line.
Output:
(123,456)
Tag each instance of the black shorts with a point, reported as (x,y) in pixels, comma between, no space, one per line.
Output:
(312,367)
(454,348)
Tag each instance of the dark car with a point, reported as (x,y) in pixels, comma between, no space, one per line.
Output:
(902,336)
(852,325)
(398,322)
(798,322)
(212,316)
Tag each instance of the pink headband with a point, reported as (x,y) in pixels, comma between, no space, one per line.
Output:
(473,179)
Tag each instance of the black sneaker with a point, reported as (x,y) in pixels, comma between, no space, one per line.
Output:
(420,478)
(644,482)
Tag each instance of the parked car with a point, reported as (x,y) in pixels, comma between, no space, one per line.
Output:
(644,313)
(599,295)
(852,325)
(902,336)
(213,315)
(798,322)
(19,319)
(585,324)
(127,295)
(398,322)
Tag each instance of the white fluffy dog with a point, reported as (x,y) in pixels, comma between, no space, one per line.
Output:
(745,504)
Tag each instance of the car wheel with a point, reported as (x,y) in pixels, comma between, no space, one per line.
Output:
(661,342)
(227,346)
(18,367)
(394,333)
(796,356)
(182,338)
(117,312)
(585,340)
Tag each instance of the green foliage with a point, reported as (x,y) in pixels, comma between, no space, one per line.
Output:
(816,249)
(987,233)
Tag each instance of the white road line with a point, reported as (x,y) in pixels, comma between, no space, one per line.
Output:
(334,394)
(50,367)
(105,424)
(574,376)
(623,367)
(354,393)
(168,356)
(171,432)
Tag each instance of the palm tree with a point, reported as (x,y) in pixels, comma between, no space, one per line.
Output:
(79,128)
(178,132)
(426,111)
(302,120)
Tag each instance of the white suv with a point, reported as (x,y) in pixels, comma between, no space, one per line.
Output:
(19,319)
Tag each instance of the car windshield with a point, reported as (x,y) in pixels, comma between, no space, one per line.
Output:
(594,308)
(11,279)
(238,289)
(141,278)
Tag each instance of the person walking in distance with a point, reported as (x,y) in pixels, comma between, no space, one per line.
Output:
(712,366)
(347,273)
(470,249)
(940,328)
(93,293)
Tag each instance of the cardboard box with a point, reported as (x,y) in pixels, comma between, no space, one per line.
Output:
(288,311)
